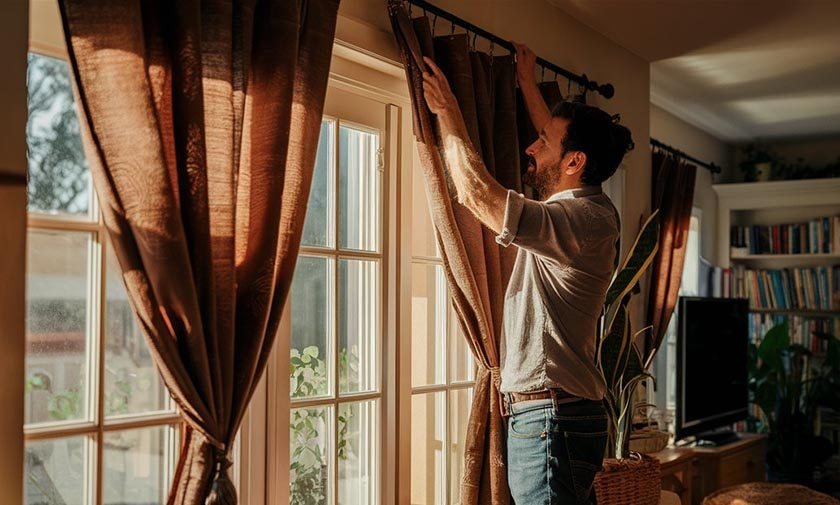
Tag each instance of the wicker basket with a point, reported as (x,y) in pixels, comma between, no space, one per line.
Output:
(632,481)
(648,440)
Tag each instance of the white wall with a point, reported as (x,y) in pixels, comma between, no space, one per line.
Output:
(13,47)
(675,132)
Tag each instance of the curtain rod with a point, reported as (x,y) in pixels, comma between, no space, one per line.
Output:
(605,90)
(710,166)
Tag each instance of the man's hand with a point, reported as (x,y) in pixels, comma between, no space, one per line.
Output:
(526,63)
(437,92)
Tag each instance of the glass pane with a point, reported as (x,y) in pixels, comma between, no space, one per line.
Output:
(318,229)
(57,342)
(428,430)
(428,324)
(423,242)
(59,181)
(137,466)
(460,402)
(312,313)
(359,182)
(461,362)
(358,453)
(132,382)
(55,471)
(359,316)
(310,473)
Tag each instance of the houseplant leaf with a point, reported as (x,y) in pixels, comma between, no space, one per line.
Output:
(638,258)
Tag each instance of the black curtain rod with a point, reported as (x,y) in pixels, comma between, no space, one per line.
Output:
(710,166)
(605,90)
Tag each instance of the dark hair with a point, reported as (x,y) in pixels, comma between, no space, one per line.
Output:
(597,134)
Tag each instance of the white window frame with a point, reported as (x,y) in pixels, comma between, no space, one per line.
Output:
(95,430)
(264,446)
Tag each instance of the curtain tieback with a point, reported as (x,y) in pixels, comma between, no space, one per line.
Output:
(222,491)
(496,375)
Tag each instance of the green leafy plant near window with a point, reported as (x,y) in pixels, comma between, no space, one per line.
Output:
(618,357)
(308,466)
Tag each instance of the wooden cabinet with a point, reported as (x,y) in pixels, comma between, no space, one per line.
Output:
(694,473)
(676,464)
(735,463)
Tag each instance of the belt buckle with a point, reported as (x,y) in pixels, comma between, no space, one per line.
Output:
(506,404)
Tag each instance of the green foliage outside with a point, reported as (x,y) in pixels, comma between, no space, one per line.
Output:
(309,468)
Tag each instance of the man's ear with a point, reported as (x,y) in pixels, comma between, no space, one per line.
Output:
(577,162)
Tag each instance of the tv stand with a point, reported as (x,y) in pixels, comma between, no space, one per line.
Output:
(715,438)
(695,472)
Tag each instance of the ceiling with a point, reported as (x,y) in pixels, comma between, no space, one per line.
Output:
(738,69)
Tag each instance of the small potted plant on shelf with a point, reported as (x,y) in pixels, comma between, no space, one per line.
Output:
(628,478)
(790,384)
(757,163)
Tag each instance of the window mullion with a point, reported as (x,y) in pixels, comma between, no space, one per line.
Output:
(98,304)
(333,464)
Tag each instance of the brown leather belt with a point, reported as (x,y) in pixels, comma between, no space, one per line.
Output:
(558,394)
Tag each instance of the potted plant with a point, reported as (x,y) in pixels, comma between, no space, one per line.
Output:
(790,384)
(627,478)
(757,163)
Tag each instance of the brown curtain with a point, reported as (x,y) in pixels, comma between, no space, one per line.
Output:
(203,182)
(477,269)
(673,194)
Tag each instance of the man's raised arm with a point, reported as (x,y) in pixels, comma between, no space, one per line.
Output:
(526,62)
(476,189)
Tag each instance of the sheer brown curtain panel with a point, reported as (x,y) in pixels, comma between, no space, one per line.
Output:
(477,269)
(673,194)
(203,182)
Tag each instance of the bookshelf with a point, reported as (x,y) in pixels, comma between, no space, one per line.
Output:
(762,207)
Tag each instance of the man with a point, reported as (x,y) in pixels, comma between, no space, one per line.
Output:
(557,425)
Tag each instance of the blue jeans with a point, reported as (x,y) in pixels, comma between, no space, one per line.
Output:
(553,454)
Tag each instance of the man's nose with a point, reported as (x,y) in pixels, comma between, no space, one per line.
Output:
(532,149)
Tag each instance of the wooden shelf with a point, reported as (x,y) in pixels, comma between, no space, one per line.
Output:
(787,260)
(785,256)
(798,312)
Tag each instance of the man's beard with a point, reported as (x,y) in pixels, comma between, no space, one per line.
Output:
(541,179)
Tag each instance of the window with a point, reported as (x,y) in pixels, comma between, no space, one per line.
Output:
(442,368)
(337,320)
(99,425)
(665,362)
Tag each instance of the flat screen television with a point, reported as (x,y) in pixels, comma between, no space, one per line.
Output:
(712,347)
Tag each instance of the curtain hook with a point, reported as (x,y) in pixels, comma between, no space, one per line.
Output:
(542,74)
(475,35)
(434,24)
(555,76)
(410,5)
(492,47)
(568,88)
(453,28)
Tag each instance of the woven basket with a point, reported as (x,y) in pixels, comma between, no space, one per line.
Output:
(632,481)
(648,440)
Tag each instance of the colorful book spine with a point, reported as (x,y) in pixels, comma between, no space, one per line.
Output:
(817,236)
